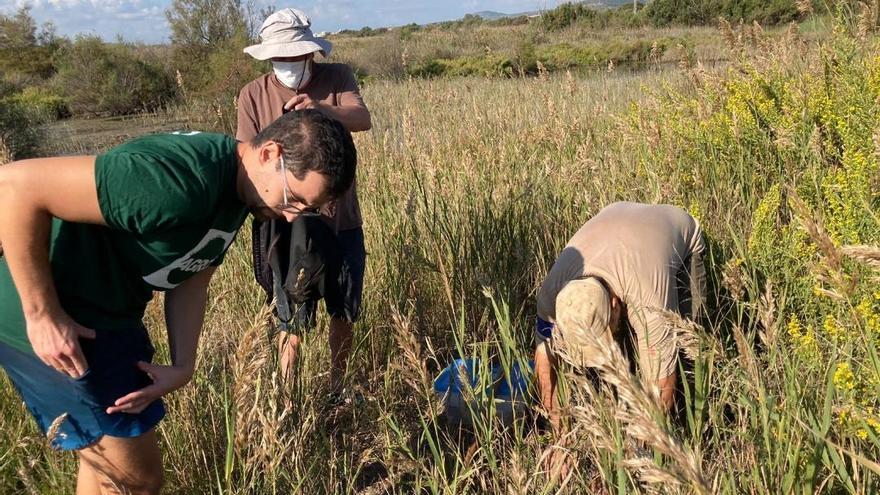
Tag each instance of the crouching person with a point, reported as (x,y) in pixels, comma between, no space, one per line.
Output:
(620,267)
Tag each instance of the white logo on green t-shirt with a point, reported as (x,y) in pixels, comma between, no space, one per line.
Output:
(197,259)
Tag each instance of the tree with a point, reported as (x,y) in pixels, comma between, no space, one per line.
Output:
(684,12)
(690,12)
(567,14)
(18,30)
(206,23)
(23,48)
(208,37)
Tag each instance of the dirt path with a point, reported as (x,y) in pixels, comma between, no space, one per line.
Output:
(90,136)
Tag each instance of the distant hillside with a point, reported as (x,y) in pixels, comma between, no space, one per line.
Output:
(611,3)
(491,15)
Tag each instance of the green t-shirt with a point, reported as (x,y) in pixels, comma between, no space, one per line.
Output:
(171,209)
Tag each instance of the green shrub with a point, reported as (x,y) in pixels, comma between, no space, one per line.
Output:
(566,56)
(518,20)
(565,15)
(763,12)
(227,72)
(363,32)
(110,79)
(688,12)
(207,39)
(468,21)
(635,51)
(8,88)
(691,12)
(525,56)
(20,131)
(406,32)
(41,102)
(571,14)
(427,69)
(221,73)
(489,65)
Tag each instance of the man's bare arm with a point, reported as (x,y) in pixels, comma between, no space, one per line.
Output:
(545,373)
(184,315)
(354,117)
(31,193)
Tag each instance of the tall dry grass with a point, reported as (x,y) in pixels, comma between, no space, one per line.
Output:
(470,187)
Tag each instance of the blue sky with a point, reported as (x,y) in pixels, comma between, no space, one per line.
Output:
(144,20)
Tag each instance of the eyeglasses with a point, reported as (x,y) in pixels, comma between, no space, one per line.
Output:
(287,205)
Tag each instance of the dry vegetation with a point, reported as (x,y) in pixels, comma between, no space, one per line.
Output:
(470,187)
(511,50)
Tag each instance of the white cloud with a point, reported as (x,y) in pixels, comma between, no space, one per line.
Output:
(61,4)
(144,20)
(135,20)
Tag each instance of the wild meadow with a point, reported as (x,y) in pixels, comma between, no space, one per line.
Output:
(470,186)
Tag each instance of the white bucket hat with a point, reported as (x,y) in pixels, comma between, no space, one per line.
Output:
(287,33)
(583,312)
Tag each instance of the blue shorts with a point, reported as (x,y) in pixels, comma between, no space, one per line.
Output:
(345,303)
(543,330)
(112,357)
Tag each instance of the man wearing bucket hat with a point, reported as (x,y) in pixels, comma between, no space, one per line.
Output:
(629,260)
(324,255)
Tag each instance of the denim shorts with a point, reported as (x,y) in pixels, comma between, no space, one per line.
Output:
(112,373)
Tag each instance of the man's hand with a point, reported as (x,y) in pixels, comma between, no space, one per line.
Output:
(166,379)
(302,101)
(56,343)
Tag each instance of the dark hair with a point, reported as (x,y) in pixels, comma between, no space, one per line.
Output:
(310,140)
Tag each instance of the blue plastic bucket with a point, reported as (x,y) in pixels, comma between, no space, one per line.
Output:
(507,392)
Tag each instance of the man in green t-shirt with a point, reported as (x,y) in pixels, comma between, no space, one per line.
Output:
(87,240)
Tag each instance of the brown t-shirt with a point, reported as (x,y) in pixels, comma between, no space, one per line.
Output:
(262,101)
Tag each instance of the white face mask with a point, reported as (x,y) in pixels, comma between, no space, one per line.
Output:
(294,75)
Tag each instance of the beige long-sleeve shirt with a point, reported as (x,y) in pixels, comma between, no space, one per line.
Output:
(639,251)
